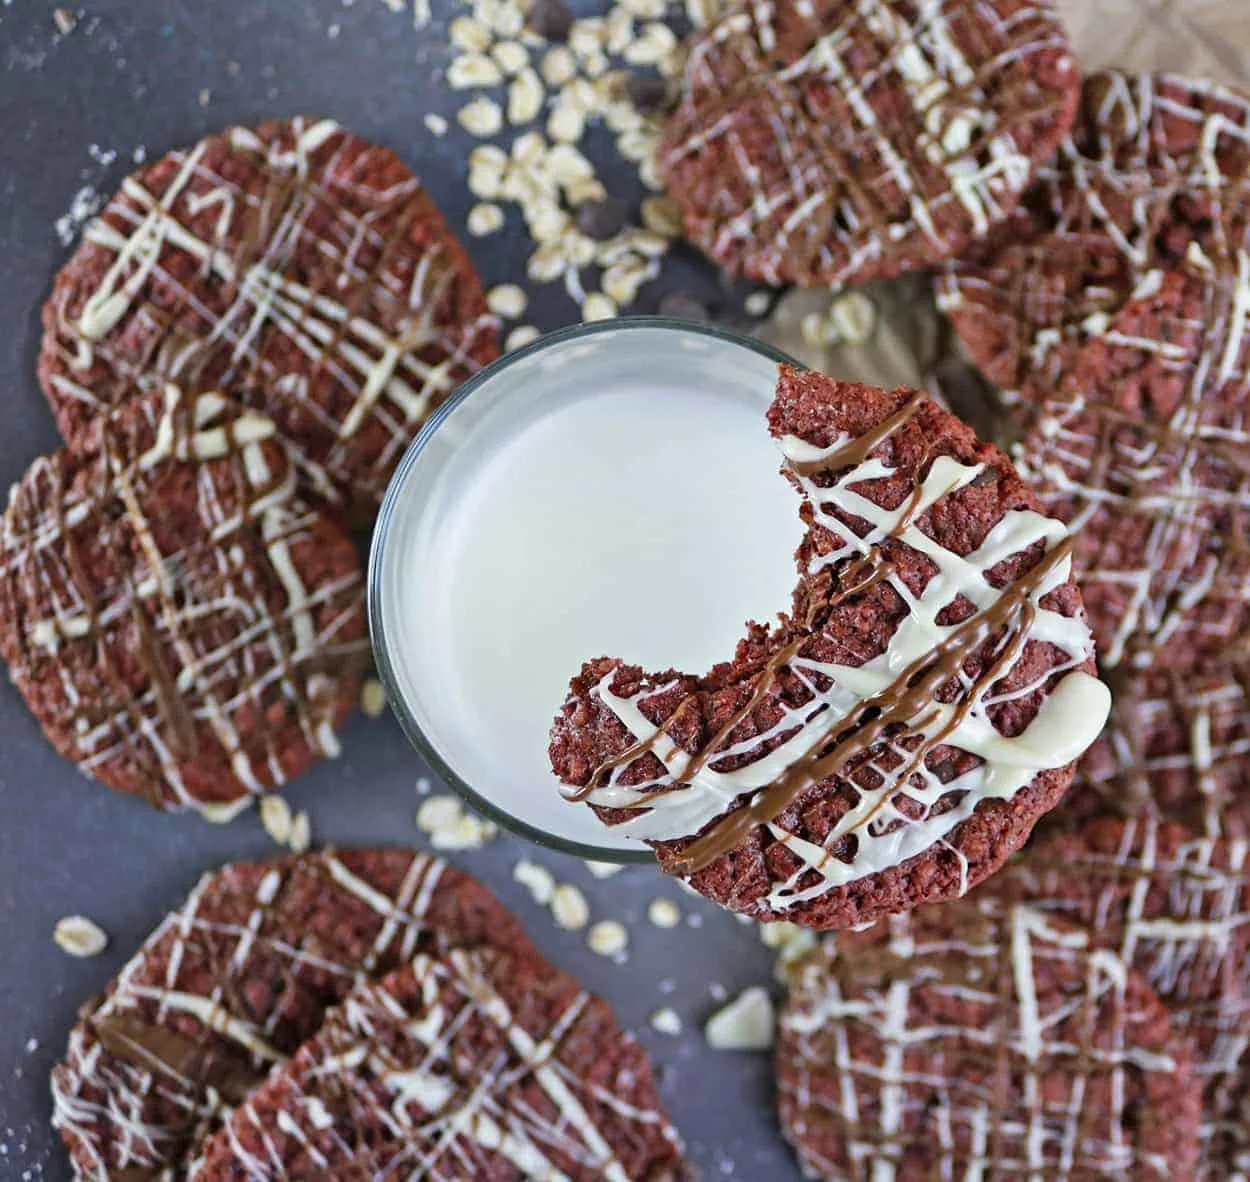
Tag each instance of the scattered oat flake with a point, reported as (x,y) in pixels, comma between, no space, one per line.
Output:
(597,306)
(525,97)
(745,1024)
(485,218)
(507,300)
(472,70)
(436,124)
(301,833)
(470,34)
(275,816)
(373,697)
(569,907)
(522,335)
(608,938)
(604,869)
(664,913)
(450,827)
(536,879)
(223,814)
(512,56)
(481,117)
(666,1021)
(80,936)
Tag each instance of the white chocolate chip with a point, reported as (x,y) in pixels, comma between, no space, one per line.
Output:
(275,816)
(301,833)
(507,300)
(745,1024)
(520,336)
(608,938)
(481,117)
(80,936)
(666,1021)
(569,907)
(472,70)
(597,306)
(485,218)
(372,698)
(664,913)
(853,317)
(758,303)
(604,869)
(536,879)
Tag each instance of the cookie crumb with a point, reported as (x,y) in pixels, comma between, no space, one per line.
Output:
(32,1045)
(664,913)
(569,907)
(275,816)
(436,125)
(608,938)
(64,20)
(373,698)
(745,1024)
(536,879)
(666,1021)
(80,936)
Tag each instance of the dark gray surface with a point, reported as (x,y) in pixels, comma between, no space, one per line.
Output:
(131,74)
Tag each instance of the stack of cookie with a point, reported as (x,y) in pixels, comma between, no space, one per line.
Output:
(369,1013)
(1087,1012)
(236,355)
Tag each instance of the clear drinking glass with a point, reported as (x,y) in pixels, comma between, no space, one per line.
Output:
(515,786)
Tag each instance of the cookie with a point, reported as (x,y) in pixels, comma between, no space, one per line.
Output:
(830,143)
(896,736)
(1174,747)
(295,267)
(1154,162)
(1145,451)
(234,980)
(982,1040)
(475,1064)
(181,624)
(1177,909)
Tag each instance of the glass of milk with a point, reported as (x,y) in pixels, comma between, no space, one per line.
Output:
(611,490)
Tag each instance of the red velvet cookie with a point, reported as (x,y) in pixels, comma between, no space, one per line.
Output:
(1145,451)
(896,736)
(1174,747)
(830,143)
(182,625)
(1154,163)
(982,1040)
(295,267)
(234,980)
(472,1065)
(1177,909)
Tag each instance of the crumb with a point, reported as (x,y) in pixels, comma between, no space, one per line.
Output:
(666,1021)
(745,1024)
(372,698)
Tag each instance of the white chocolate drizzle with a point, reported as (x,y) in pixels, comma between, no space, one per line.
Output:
(1040,1078)
(368,352)
(681,803)
(414,1057)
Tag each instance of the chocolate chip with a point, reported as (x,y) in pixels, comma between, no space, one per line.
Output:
(602,219)
(684,306)
(648,93)
(551,19)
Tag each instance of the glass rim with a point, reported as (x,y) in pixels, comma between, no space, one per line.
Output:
(412,729)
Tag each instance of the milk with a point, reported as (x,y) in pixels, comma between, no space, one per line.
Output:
(622,503)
